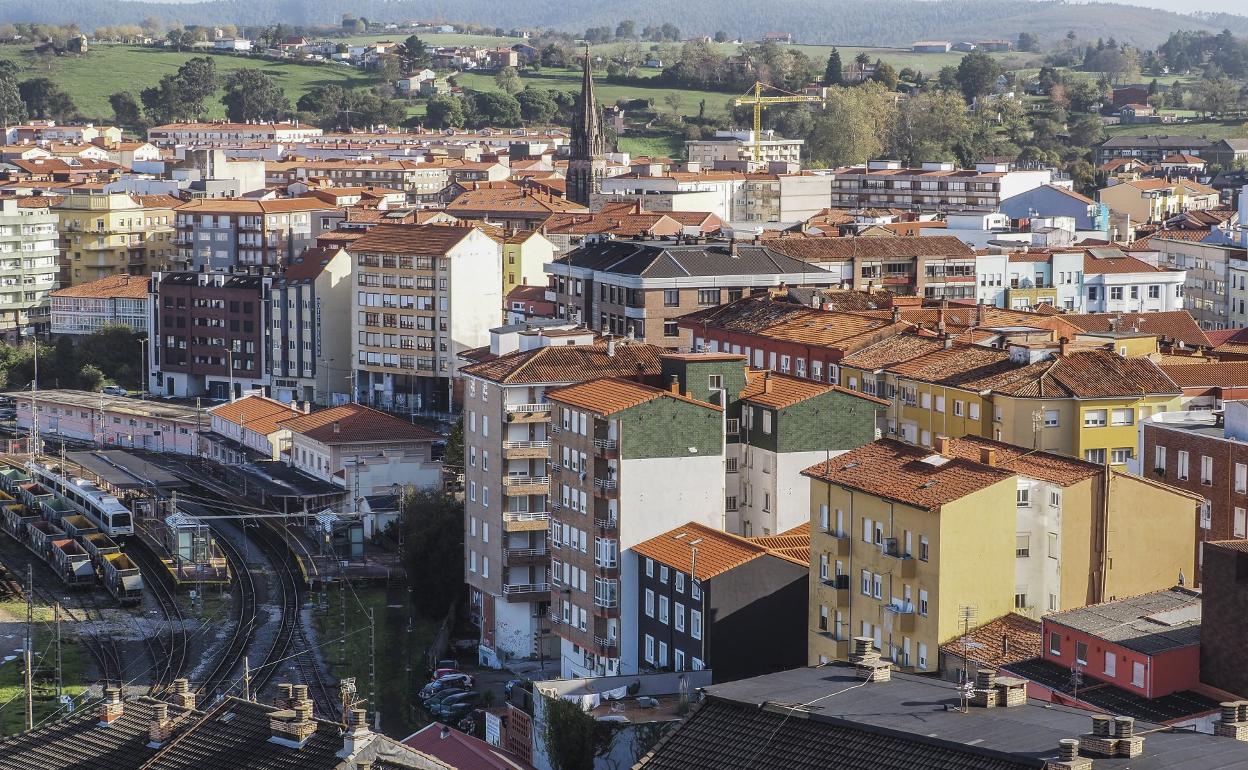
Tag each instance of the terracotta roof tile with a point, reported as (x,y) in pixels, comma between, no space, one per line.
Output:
(255,413)
(502,201)
(569,363)
(242,206)
(907,474)
(1174,324)
(1094,264)
(1081,374)
(1145,243)
(780,391)
(355,423)
(1008,639)
(1046,466)
(836,248)
(411,239)
(718,552)
(609,395)
(111,287)
(1210,374)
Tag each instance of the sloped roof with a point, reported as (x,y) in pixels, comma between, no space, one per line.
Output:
(666,260)
(355,423)
(609,395)
(999,642)
(411,239)
(718,551)
(837,248)
(1177,325)
(255,413)
(1150,623)
(891,351)
(121,286)
(780,391)
(1081,374)
(462,751)
(1208,374)
(898,471)
(1046,466)
(569,363)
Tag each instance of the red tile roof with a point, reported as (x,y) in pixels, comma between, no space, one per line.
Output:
(1209,374)
(555,364)
(256,413)
(1008,639)
(780,391)
(609,395)
(1046,466)
(459,750)
(718,551)
(907,474)
(356,423)
(111,287)
(411,239)
(1177,325)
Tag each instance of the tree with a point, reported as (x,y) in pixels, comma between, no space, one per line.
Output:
(251,94)
(433,525)
(1084,95)
(453,455)
(537,106)
(721,36)
(12,108)
(832,75)
(414,55)
(553,56)
(495,109)
(572,738)
(862,59)
(977,74)
(46,100)
(885,75)
(508,81)
(1028,42)
(931,126)
(854,127)
(126,111)
(444,111)
(626,30)
(197,81)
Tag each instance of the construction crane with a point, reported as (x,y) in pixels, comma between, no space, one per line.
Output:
(759,101)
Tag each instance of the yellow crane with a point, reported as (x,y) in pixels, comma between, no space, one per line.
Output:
(759,101)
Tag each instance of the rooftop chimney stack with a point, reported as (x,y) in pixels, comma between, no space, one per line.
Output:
(1234,721)
(293,726)
(357,734)
(767,381)
(183,698)
(161,727)
(1112,737)
(866,660)
(674,385)
(284,691)
(1063,344)
(988,455)
(942,446)
(112,708)
(611,346)
(1068,757)
(992,690)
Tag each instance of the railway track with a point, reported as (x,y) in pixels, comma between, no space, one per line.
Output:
(168,656)
(246,621)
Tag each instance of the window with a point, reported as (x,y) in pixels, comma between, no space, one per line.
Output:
(1122,417)
(1051,419)
(1206,470)
(1053,548)
(923,601)
(649,567)
(1241,525)
(664,609)
(1137,674)
(973,410)
(714,381)
(708,297)
(680,616)
(670,329)
(866,582)
(923,548)
(1020,600)
(1095,456)
(1120,455)
(957,408)
(695,624)
(1055,498)
(649,603)
(678,660)
(877,585)
(1241,478)
(1055,643)
(671,298)
(1094,418)
(867,526)
(1081,653)
(1115,292)
(1023,496)
(663,572)
(940,404)
(649,649)
(766,421)
(730,502)
(1159,459)
(1111,664)
(1022,546)
(680,582)
(1182,472)
(1206,514)
(922,656)
(1154,292)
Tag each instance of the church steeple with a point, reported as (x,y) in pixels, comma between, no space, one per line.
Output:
(587,165)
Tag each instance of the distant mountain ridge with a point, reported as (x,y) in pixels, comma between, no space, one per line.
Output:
(843,22)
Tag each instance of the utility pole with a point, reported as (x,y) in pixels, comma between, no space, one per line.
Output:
(372,671)
(342,607)
(30,621)
(60,682)
(247,677)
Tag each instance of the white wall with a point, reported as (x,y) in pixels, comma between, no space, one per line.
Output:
(476,293)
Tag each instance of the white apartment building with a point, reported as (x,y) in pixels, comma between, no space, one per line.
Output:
(1092,280)
(939,186)
(737,146)
(311,312)
(424,294)
(118,300)
(28,268)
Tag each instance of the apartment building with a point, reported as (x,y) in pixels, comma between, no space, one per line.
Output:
(310,316)
(1066,554)
(1152,200)
(639,289)
(208,334)
(713,600)
(223,233)
(525,256)
(902,539)
(737,147)
(1091,280)
(424,294)
(627,459)
(28,269)
(933,266)
(421,181)
(507,547)
(509,205)
(1149,148)
(1208,273)
(115,233)
(171,134)
(1204,453)
(247,429)
(118,300)
(935,186)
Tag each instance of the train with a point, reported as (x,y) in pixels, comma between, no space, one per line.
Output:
(71,543)
(104,510)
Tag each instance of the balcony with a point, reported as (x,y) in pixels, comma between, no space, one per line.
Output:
(840,545)
(528,521)
(839,584)
(907,566)
(525,556)
(605,487)
(522,486)
(526,592)
(607,644)
(606,602)
(606,522)
(525,413)
(526,450)
(830,645)
(903,617)
(606,447)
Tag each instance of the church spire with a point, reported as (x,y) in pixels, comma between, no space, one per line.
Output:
(588,142)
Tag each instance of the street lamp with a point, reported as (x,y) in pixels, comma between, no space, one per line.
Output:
(34,443)
(143,375)
(229,353)
(328,369)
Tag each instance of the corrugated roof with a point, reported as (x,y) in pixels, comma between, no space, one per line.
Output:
(1151,623)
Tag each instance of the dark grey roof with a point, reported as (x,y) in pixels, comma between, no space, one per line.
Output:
(1151,623)
(905,723)
(1159,142)
(1112,699)
(650,259)
(80,742)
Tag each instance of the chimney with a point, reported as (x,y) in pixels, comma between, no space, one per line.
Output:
(1112,736)
(674,385)
(1068,757)
(293,726)
(732,246)
(160,728)
(767,381)
(112,708)
(994,691)
(942,446)
(867,662)
(611,346)
(307,407)
(896,314)
(357,734)
(947,341)
(1062,344)
(1234,721)
(988,455)
(283,700)
(337,427)
(444,733)
(183,698)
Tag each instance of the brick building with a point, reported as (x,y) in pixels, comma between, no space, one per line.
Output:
(207,334)
(1223,632)
(1203,453)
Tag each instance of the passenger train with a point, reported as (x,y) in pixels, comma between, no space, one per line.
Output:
(105,511)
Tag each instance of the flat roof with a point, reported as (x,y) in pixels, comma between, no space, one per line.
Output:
(123,470)
(84,399)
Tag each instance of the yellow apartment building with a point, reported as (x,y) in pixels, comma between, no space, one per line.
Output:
(905,544)
(525,253)
(114,233)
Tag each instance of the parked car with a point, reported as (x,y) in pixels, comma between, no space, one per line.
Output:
(437,698)
(455,712)
(461,681)
(114,390)
(438,673)
(449,708)
(8,413)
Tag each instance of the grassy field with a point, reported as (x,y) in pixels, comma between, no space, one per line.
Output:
(608,93)
(1210,129)
(12,701)
(668,146)
(394,648)
(107,69)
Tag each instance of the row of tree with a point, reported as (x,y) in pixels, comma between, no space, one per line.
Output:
(111,354)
